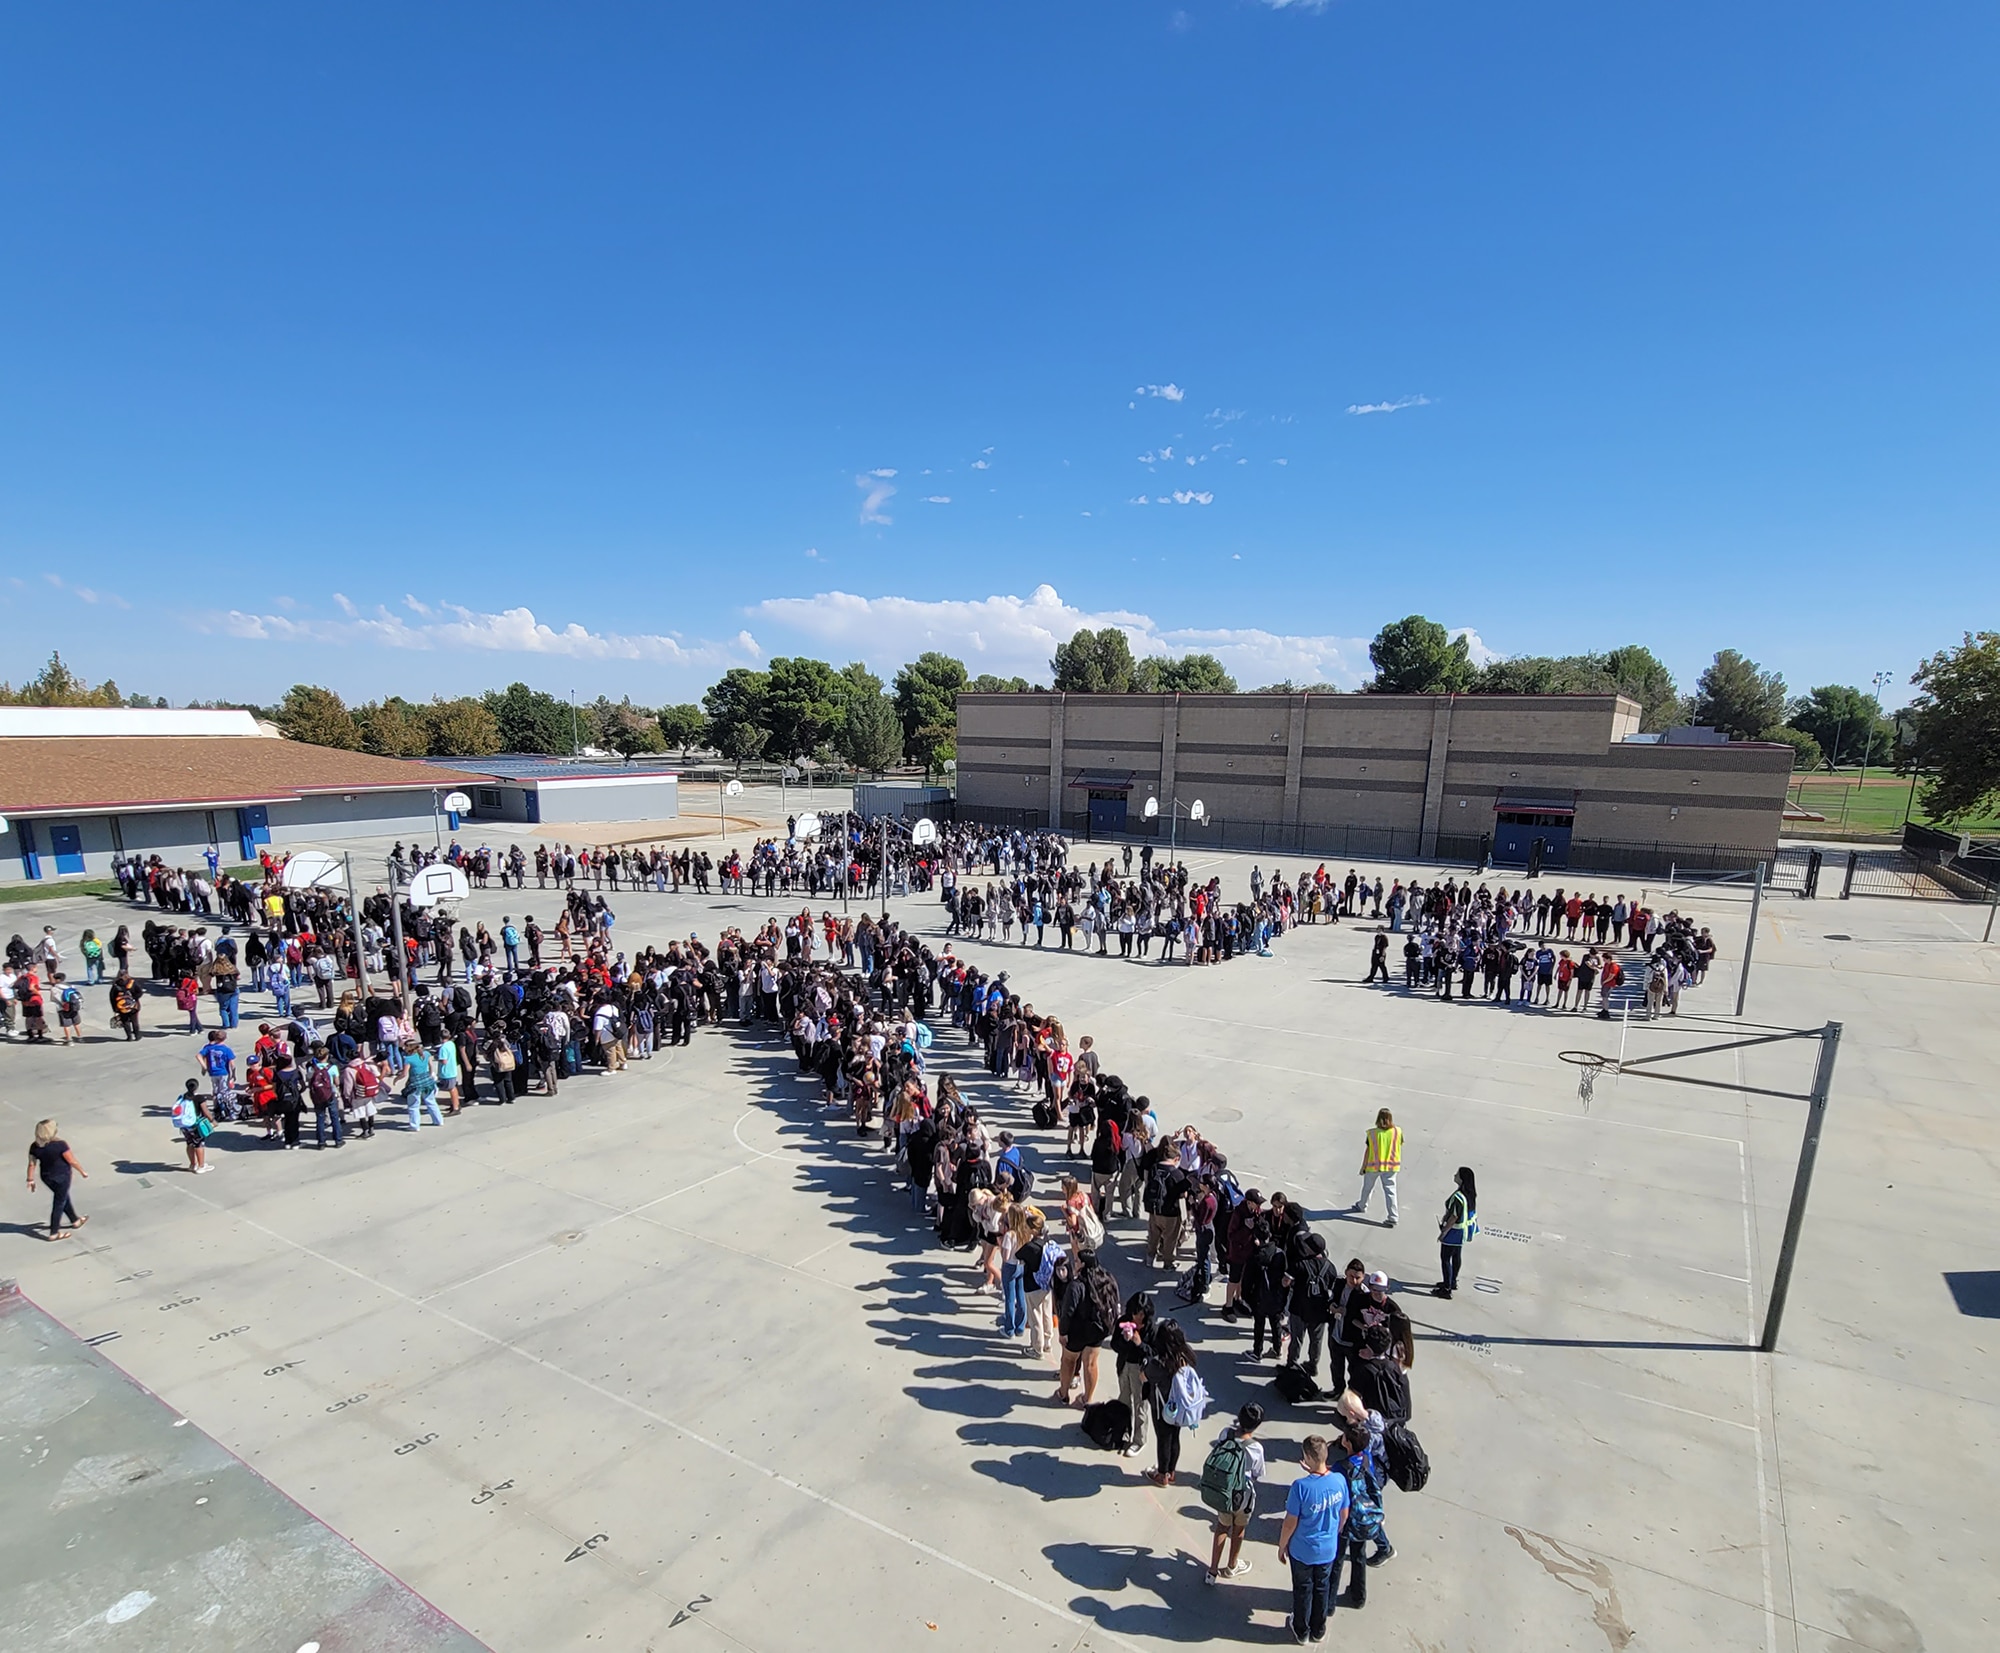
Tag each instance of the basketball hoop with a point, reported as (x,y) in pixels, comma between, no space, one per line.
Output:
(1591,1065)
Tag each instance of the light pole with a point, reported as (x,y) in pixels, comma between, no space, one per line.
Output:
(724,791)
(575,746)
(1868,744)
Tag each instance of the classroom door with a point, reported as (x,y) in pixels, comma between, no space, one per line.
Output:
(66,844)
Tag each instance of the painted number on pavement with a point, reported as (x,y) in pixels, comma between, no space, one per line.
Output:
(588,1545)
(485,1494)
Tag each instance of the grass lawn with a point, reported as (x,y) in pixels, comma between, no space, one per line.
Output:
(1879,805)
(48,889)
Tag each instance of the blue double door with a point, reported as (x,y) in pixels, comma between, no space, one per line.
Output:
(1515,832)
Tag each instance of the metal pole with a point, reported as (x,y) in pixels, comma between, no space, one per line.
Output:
(1992,907)
(721,818)
(437,826)
(1774,1311)
(354,923)
(402,953)
(1750,940)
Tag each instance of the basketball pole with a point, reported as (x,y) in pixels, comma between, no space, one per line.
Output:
(1774,1312)
(1749,941)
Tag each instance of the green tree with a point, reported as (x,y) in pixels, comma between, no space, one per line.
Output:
(1094,662)
(933,746)
(1809,755)
(461,728)
(681,726)
(858,680)
(1846,722)
(531,721)
(1418,656)
(1955,728)
(1542,674)
(393,728)
(1193,674)
(987,683)
(873,738)
(626,729)
(1635,671)
(805,701)
(927,692)
(56,685)
(1739,697)
(319,717)
(1285,685)
(738,725)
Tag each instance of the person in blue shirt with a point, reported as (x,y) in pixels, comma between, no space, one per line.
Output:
(218,1061)
(1309,1541)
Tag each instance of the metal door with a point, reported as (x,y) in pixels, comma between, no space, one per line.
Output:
(1107,813)
(66,842)
(1514,835)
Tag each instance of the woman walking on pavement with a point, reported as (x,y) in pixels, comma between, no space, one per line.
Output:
(1456,1229)
(50,1155)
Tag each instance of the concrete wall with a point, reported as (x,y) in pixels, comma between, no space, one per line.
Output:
(179,836)
(499,801)
(1419,764)
(610,798)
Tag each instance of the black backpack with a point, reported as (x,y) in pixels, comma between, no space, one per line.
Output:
(1108,1423)
(1382,1386)
(1409,1466)
(1316,1294)
(1155,1200)
(1296,1385)
(1045,1114)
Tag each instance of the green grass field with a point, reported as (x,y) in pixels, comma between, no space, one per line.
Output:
(1880,805)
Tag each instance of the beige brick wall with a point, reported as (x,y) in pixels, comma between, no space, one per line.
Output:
(1366,760)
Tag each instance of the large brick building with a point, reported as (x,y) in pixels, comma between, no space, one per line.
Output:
(1419,776)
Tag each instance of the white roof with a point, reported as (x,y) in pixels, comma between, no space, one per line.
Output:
(69,722)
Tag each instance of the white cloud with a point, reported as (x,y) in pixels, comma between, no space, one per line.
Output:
(1188,496)
(82,593)
(937,499)
(1138,499)
(876,491)
(414,606)
(1297,5)
(1281,462)
(813,552)
(1008,634)
(1475,646)
(1224,416)
(1396,406)
(981,464)
(452,628)
(1166,393)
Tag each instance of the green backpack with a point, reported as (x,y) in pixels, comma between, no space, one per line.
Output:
(1226,1486)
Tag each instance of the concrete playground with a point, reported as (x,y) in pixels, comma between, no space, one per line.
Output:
(667,1361)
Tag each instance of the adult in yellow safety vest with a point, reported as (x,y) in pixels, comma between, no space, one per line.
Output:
(1381,1159)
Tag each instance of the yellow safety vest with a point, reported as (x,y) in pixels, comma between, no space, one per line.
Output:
(1385,1150)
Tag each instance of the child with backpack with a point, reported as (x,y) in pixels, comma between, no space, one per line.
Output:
(1180,1398)
(1229,1481)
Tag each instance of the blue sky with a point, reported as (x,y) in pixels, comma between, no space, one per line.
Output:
(417,349)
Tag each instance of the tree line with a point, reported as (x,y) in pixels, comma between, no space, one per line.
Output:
(799,708)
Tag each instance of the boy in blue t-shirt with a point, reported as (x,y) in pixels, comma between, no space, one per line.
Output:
(218,1061)
(1315,1513)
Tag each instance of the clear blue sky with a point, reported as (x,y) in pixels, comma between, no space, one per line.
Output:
(332,339)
